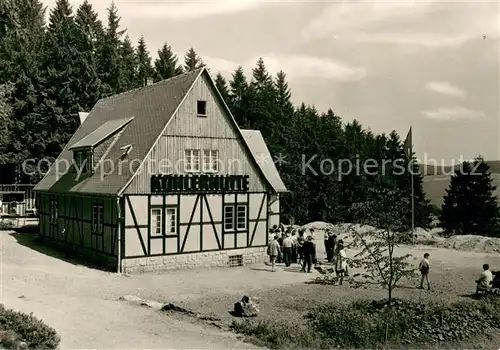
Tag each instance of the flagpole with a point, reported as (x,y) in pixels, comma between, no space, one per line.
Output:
(412,191)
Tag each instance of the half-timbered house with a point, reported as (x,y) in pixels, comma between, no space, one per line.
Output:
(162,177)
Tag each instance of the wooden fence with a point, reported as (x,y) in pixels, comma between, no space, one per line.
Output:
(17,199)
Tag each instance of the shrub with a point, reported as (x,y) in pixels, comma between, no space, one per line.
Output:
(35,333)
(366,323)
(374,324)
(279,335)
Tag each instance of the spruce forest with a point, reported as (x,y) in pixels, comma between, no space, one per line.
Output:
(50,71)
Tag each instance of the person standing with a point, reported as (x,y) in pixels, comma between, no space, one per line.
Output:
(295,244)
(327,242)
(309,253)
(332,240)
(424,268)
(273,250)
(287,250)
(300,244)
(341,268)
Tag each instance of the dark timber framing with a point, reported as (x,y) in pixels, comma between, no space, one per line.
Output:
(75,216)
(68,229)
(205,217)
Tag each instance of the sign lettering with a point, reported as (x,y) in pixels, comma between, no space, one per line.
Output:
(199,183)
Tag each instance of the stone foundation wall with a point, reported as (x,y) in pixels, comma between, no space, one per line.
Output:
(218,258)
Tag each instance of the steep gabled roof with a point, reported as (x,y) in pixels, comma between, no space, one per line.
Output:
(262,156)
(151,106)
(138,117)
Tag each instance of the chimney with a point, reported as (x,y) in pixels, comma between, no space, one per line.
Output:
(149,81)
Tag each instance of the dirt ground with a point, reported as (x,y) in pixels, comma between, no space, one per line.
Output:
(81,302)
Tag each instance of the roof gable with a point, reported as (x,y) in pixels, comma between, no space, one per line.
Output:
(146,112)
(224,105)
(152,107)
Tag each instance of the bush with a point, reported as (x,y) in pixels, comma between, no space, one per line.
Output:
(279,335)
(371,324)
(365,323)
(17,326)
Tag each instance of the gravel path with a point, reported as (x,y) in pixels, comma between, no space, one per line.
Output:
(81,304)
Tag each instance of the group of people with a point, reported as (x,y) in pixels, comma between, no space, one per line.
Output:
(291,246)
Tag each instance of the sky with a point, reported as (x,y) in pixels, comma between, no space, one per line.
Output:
(431,65)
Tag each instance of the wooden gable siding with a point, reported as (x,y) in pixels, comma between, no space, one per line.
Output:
(188,131)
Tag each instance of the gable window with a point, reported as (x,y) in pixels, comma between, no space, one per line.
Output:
(210,161)
(83,161)
(192,160)
(235,220)
(201,108)
(53,212)
(97,218)
(157,221)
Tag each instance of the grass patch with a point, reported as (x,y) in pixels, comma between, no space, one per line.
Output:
(372,324)
(17,328)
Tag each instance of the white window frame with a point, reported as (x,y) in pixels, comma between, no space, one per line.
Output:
(171,221)
(160,228)
(155,223)
(54,212)
(238,212)
(230,227)
(190,155)
(210,161)
(97,218)
(234,224)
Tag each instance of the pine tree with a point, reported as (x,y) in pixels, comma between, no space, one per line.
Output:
(283,95)
(91,27)
(71,81)
(89,33)
(144,68)
(470,206)
(221,84)
(239,97)
(8,20)
(166,64)
(262,81)
(61,13)
(110,66)
(128,64)
(192,61)
(6,120)
(263,110)
(20,64)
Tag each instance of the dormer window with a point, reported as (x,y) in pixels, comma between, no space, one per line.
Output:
(83,161)
(201,109)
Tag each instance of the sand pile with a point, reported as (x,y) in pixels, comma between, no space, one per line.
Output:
(472,243)
(424,237)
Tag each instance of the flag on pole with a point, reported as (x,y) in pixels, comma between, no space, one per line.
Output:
(408,145)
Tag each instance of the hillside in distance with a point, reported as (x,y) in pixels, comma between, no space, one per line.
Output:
(431,169)
(437,180)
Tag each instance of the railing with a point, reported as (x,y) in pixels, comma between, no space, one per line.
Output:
(28,197)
